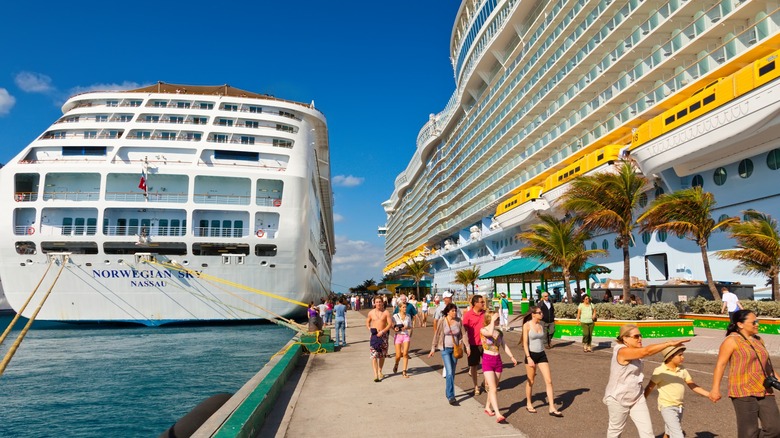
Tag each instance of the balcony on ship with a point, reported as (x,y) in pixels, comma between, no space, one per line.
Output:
(71,187)
(222,190)
(124,187)
(220,223)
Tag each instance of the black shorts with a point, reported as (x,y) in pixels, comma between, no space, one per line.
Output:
(537,357)
(475,357)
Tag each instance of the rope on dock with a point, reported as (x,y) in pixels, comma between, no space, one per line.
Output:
(10,354)
(24,306)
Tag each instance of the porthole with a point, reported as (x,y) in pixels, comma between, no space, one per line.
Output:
(643,200)
(615,243)
(593,245)
(646,237)
(722,218)
(659,191)
(661,236)
(745,168)
(746,217)
(773,159)
(605,245)
(698,181)
(719,176)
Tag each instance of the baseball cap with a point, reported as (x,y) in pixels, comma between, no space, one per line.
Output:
(447,295)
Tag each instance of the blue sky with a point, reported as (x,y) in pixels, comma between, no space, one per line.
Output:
(376,70)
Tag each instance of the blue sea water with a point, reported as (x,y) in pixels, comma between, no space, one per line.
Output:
(91,381)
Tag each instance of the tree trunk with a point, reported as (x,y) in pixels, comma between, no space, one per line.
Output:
(708,272)
(565,273)
(626,274)
(775,286)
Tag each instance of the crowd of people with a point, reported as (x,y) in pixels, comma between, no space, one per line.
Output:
(478,335)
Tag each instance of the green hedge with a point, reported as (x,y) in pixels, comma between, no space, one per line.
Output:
(622,311)
(699,305)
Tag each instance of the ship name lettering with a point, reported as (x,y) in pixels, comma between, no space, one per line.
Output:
(126,273)
(147,283)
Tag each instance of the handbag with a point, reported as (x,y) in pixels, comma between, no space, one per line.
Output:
(770,381)
(593,310)
(457,350)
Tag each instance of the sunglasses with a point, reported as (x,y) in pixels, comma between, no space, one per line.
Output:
(537,313)
(639,336)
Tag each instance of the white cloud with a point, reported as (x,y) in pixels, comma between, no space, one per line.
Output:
(126,85)
(354,253)
(30,82)
(347,180)
(6,102)
(337,217)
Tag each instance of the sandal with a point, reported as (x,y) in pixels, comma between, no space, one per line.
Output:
(556,414)
(500,419)
(395,368)
(477,391)
(531,410)
(405,375)
(490,414)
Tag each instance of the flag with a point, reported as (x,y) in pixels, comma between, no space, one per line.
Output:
(142,183)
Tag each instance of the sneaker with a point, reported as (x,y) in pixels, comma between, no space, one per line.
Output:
(453,402)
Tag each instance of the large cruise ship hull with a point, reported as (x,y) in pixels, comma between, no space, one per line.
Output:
(231,219)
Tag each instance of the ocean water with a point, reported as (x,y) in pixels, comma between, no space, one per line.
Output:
(92,381)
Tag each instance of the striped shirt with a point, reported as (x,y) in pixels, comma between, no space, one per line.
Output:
(746,374)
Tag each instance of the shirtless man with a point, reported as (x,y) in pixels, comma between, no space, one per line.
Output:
(378,323)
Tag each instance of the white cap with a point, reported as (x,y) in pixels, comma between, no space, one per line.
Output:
(447,294)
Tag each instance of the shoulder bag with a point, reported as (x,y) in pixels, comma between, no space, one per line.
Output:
(457,350)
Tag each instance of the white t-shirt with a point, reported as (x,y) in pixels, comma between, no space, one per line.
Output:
(730,298)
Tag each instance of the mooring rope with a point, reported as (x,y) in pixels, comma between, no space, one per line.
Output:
(24,306)
(10,354)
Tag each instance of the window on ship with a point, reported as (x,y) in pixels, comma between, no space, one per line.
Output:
(71,247)
(162,248)
(211,249)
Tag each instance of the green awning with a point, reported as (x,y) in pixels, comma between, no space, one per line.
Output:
(533,269)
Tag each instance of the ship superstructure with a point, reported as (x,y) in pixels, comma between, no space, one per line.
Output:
(547,91)
(171,203)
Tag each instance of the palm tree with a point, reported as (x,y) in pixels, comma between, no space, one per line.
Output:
(418,269)
(559,242)
(758,248)
(467,277)
(687,213)
(606,201)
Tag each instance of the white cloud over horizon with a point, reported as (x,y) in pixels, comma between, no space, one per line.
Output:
(31,82)
(347,181)
(6,102)
(337,217)
(356,261)
(125,85)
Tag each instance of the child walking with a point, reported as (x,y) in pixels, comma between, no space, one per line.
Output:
(671,378)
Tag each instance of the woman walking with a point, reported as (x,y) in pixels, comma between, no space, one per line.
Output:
(624,394)
(536,358)
(402,326)
(449,334)
(749,364)
(586,316)
(492,341)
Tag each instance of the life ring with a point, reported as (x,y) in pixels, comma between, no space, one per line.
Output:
(30,230)
(277,202)
(260,233)
(19,197)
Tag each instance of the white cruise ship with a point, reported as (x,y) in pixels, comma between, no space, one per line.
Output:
(168,204)
(547,90)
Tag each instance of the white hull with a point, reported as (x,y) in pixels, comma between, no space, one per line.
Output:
(522,214)
(709,141)
(240,203)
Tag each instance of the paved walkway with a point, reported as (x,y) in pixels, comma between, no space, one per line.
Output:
(334,394)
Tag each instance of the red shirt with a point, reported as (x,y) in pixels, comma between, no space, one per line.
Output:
(473,322)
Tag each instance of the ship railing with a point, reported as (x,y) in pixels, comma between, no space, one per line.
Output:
(25,196)
(210,198)
(71,196)
(268,201)
(65,230)
(143,197)
(136,230)
(219,232)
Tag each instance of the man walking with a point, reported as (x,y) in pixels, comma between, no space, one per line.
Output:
(378,323)
(548,319)
(730,303)
(473,321)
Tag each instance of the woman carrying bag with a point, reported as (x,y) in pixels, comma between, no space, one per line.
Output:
(750,371)
(449,339)
(586,316)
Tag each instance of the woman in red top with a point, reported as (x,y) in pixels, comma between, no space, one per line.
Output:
(748,361)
